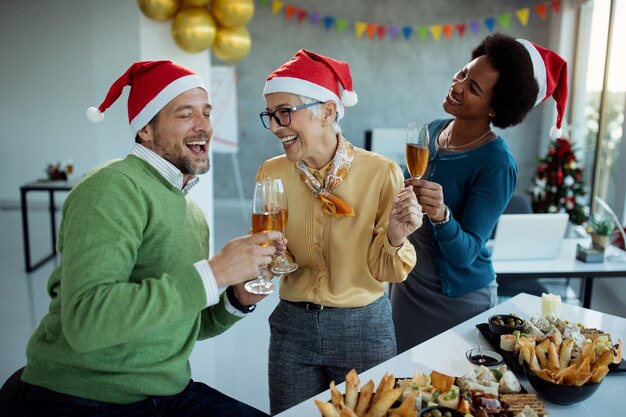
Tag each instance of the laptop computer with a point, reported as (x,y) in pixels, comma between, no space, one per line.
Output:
(529,236)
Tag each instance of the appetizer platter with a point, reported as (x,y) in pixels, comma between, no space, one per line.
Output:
(482,392)
(568,337)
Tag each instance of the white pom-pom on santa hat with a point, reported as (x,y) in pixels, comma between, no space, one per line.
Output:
(550,71)
(94,115)
(556,132)
(349,98)
(315,76)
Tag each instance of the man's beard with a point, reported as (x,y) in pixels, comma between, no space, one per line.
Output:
(175,155)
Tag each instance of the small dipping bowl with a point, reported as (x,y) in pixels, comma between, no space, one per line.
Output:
(484,357)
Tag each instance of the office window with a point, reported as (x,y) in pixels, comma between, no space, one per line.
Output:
(599,98)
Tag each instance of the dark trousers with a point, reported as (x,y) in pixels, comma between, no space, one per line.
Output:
(196,400)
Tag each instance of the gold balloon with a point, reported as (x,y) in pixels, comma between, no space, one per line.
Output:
(193,29)
(231,44)
(196,2)
(232,13)
(158,9)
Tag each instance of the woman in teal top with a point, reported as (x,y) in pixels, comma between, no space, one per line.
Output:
(470,178)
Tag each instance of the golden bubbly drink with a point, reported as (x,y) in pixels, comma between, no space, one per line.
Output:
(416,159)
(262,222)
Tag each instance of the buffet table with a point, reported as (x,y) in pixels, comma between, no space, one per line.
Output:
(446,353)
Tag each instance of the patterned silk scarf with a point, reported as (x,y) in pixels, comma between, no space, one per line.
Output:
(337,172)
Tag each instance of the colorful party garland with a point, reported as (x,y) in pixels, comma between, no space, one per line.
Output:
(371,30)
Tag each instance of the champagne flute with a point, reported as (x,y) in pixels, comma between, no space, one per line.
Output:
(417,139)
(283,266)
(263,219)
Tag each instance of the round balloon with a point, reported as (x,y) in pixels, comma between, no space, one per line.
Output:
(158,9)
(196,2)
(232,13)
(193,29)
(231,44)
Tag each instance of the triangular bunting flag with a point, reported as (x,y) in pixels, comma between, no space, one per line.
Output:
(407,31)
(315,18)
(393,32)
(371,30)
(276,6)
(341,25)
(359,28)
(263,2)
(556,5)
(328,22)
(382,31)
(289,11)
(447,31)
(504,20)
(542,10)
(522,15)
(490,23)
(461,29)
(436,32)
(422,31)
(302,14)
(475,26)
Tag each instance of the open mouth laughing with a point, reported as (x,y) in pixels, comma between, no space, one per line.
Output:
(198,147)
(287,141)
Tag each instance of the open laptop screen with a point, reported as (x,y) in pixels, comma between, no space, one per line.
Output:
(529,236)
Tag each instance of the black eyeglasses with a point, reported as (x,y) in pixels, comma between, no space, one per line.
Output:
(282,116)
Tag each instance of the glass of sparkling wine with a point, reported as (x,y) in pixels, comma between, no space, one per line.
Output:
(283,266)
(263,219)
(417,139)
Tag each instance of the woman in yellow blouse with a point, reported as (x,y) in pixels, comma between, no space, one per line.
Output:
(348,221)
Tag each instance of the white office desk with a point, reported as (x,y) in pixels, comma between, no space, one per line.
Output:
(565,266)
(446,353)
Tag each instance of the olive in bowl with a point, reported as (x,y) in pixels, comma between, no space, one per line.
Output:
(560,394)
(440,411)
(505,323)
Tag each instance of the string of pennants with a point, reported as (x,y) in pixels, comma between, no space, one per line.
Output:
(393,32)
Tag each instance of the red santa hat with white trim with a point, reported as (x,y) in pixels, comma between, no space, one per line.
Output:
(316,76)
(550,71)
(153,84)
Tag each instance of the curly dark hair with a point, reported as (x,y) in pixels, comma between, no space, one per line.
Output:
(515,92)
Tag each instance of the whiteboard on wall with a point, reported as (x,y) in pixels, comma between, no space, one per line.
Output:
(224,114)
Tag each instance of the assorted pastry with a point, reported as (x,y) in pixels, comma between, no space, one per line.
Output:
(482,392)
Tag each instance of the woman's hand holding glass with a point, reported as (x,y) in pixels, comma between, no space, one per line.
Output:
(283,266)
(405,216)
(430,196)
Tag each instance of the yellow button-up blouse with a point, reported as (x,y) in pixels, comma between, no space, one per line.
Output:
(343,262)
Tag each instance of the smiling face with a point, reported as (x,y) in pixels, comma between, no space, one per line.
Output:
(471,92)
(305,138)
(181,132)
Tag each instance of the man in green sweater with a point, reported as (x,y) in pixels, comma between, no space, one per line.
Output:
(134,289)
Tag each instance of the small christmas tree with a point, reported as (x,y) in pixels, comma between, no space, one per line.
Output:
(558,183)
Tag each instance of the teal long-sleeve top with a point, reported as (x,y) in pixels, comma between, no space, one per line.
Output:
(477,185)
(127,304)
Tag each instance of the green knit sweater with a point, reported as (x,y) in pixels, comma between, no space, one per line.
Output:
(127,302)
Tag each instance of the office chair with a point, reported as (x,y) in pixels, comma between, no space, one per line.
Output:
(9,394)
